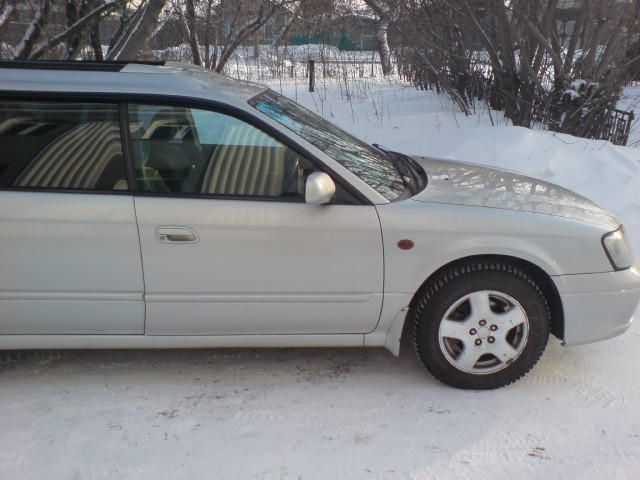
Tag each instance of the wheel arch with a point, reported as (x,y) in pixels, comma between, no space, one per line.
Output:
(539,275)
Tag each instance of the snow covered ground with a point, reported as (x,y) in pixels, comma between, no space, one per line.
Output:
(339,413)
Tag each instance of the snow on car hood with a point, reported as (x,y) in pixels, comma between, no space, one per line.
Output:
(475,185)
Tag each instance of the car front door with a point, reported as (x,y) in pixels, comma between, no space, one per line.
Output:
(69,249)
(228,244)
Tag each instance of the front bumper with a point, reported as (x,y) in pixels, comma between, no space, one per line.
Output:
(598,306)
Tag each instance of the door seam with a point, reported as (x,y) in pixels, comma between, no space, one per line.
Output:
(144,285)
(384,273)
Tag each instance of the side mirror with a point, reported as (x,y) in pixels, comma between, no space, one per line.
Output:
(319,189)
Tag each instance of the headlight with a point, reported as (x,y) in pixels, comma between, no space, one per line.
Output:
(618,250)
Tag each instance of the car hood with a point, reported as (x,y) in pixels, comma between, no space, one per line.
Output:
(475,185)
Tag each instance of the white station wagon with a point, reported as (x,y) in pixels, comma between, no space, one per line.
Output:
(162,205)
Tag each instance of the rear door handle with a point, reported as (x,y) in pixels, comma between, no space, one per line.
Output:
(174,234)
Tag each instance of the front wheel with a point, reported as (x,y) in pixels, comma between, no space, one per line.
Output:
(481,325)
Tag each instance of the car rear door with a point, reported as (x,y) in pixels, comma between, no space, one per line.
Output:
(69,247)
(228,244)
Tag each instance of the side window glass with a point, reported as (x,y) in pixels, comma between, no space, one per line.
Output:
(186,150)
(61,145)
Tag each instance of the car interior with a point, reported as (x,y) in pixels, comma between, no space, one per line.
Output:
(61,146)
(172,155)
(78,146)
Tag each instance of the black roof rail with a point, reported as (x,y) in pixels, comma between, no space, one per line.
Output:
(91,65)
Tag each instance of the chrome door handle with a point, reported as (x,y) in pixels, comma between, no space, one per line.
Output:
(171,234)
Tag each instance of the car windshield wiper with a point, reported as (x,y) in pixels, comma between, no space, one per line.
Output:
(382,148)
(400,165)
(413,176)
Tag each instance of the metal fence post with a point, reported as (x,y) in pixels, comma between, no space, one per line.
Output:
(627,130)
(312,75)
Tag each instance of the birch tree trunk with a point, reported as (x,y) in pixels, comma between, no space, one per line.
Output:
(192,31)
(136,35)
(34,31)
(382,45)
(383,12)
(6,14)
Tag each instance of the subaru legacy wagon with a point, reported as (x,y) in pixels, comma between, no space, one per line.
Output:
(165,206)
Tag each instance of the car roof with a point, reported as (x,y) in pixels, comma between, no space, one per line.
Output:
(166,78)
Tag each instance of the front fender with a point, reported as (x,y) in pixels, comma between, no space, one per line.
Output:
(445,233)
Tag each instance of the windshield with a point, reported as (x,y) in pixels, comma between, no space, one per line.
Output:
(376,167)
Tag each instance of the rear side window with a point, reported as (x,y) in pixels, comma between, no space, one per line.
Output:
(61,146)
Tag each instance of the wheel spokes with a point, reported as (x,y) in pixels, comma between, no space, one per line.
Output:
(483,332)
(480,306)
(454,329)
(503,350)
(468,358)
(510,319)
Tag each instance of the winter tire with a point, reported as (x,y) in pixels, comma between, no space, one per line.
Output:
(481,325)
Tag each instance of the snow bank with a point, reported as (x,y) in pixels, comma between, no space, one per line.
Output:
(605,173)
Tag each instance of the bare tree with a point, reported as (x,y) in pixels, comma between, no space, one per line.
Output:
(7,9)
(34,30)
(73,32)
(94,40)
(244,28)
(289,22)
(43,37)
(73,12)
(385,11)
(137,31)
(513,55)
(225,24)
(435,49)
(192,30)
